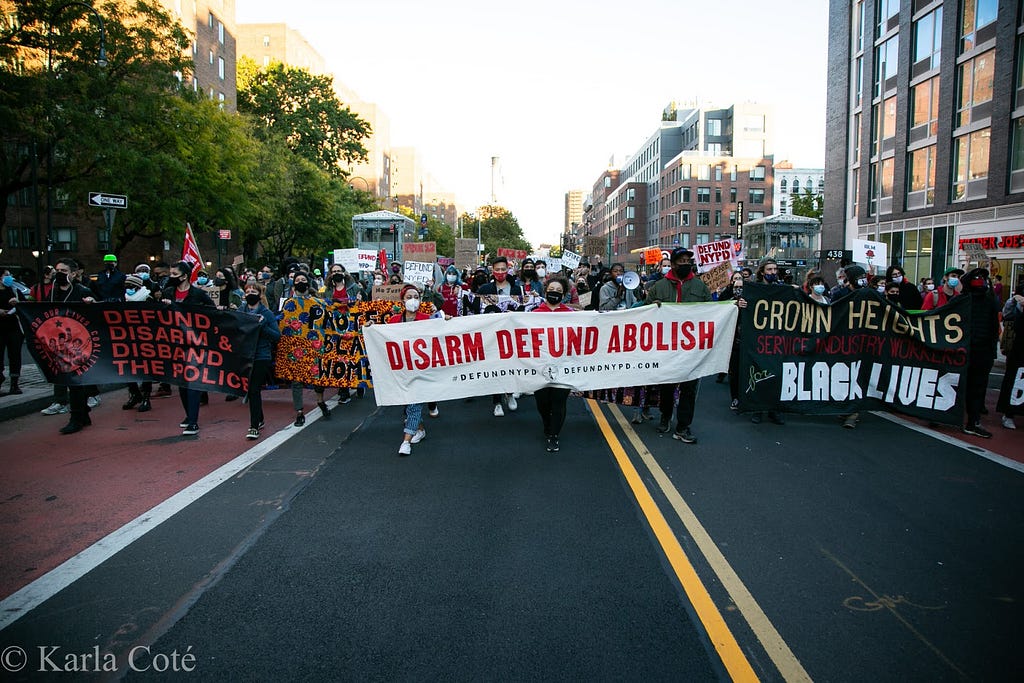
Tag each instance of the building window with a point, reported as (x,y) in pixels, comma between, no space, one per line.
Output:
(732,219)
(718,195)
(921,178)
(631,194)
(703,237)
(703,172)
(718,218)
(854,198)
(974,88)
(211,57)
(685,237)
(686,195)
(927,43)
(266,61)
(703,218)
(630,230)
(1017,156)
(857,23)
(974,16)
(703,195)
(266,41)
(685,219)
(103,239)
(220,67)
(886,63)
(220,32)
(607,181)
(733,173)
(970,165)
(858,81)
(65,239)
(755,196)
(718,172)
(796,186)
(881,197)
(888,122)
(715,150)
(757,173)
(209,20)
(924,109)
(714,126)
(1018,100)
(630,212)
(732,195)
(886,14)
(783,185)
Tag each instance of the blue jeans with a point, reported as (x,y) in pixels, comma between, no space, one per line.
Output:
(413,417)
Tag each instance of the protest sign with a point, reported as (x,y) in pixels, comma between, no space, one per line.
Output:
(387,292)
(570,259)
(594,246)
(717,277)
(465,253)
(860,353)
(652,256)
(349,258)
(874,254)
(711,254)
(418,271)
(198,347)
(424,252)
(554,265)
(367,260)
(438,360)
(513,254)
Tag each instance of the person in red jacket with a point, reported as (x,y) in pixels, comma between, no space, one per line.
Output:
(551,400)
(940,295)
(414,431)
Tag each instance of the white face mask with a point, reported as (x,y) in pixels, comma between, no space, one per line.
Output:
(412,305)
(378,281)
(452,278)
(881,288)
(541,272)
(665,270)
(929,286)
(898,279)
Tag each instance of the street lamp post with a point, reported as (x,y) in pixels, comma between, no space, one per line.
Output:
(101,62)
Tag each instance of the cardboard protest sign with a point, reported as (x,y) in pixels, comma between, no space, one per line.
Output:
(349,258)
(387,292)
(594,246)
(718,276)
(465,253)
(424,252)
(418,271)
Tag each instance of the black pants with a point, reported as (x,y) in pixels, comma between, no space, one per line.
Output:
(190,402)
(734,373)
(11,339)
(687,402)
(78,404)
(979,364)
(260,373)
(551,406)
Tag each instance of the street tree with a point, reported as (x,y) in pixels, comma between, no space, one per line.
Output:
(808,204)
(300,108)
(498,229)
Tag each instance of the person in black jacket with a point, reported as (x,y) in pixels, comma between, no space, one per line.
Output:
(910,297)
(109,283)
(981,354)
(180,290)
(66,290)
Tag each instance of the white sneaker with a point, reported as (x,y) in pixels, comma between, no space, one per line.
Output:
(55,409)
(434,412)
(405,448)
(418,436)
(513,404)
(1008,422)
(499,411)
(93,401)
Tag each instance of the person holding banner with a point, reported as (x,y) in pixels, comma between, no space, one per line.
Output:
(1011,391)
(909,298)
(982,343)
(256,304)
(680,285)
(501,286)
(551,400)
(529,278)
(414,431)
(180,290)
(301,289)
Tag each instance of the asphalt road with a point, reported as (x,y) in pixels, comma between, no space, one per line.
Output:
(793,552)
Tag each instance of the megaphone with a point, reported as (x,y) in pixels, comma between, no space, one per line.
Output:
(630,280)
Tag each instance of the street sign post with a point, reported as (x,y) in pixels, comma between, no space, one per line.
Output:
(108,201)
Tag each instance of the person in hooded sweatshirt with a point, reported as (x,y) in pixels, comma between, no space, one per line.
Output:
(451,290)
(680,285)
(981,353)
(255,303)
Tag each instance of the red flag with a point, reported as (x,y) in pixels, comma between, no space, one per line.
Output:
(382,259)
(190,253)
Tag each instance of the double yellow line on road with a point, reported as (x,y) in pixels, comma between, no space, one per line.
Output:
(722,639)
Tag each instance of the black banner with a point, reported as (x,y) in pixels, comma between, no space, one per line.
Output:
(106,343)
(860,353)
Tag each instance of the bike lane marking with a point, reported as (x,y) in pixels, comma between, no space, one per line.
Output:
(718,632)
(772,642)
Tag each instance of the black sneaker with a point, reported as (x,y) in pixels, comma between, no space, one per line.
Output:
(756,418)
(300,420)
(685,436)
(184,423)
(190,430)
(735,405)
(324,410)
(663,426)
(977,430)
(552,446)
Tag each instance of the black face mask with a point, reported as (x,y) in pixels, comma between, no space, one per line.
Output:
(894,298)
(338,278)
(252,299)
(301,286)
(111,266)
(219,281)
(529,273)
(61,279)
(173,281)
(554,298)
(683,270)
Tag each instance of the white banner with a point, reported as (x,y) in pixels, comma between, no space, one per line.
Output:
(418,272)
(349,258)
(367,260)
(438,360)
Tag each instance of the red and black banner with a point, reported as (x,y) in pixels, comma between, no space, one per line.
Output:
(107,343)
(860,353)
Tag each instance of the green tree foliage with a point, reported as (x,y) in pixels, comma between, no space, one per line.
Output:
(808,204)
(498,229)
(84,113)
(301,109)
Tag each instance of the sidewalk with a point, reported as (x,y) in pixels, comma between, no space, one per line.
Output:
(38,393)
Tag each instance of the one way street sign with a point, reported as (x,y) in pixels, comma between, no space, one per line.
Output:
(108,201)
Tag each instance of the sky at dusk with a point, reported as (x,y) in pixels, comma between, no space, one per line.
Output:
(556,88)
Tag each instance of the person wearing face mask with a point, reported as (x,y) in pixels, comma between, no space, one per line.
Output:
(1010,399)
(733,292)
(108,284)
(909,297)
(949,288)
(11,335)
(41,290)
(983,340)
(613,294)
(856,278)
(501,285)
(180,290)
(768,273)
(255,303)
(818,290)
(66,290)
(927,285)
(413,429)
(451,291)
(301,289)
(679,286)
(551,400)
(343,290)
(530,279)
(138,392)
